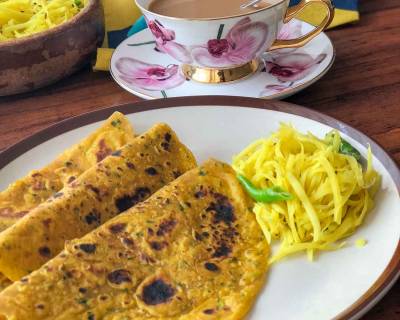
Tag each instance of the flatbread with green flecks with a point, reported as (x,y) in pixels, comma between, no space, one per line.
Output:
(193,250)
(121,180)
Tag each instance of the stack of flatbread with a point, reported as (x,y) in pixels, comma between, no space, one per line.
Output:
(125,227)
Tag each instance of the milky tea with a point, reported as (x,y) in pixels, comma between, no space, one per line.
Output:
(192,9)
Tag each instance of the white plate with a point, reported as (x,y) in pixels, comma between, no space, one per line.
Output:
(342,284)
(283,72)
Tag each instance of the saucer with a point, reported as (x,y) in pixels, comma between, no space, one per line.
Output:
(138,67)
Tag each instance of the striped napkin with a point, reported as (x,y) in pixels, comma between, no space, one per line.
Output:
(123,18)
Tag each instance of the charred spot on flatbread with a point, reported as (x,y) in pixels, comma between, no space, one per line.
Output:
(166,227)
(87,247)
(127,241)
(160,297)
(151,171)
(24,280)
(222,251)
(119,276)
(82,290)
(103,151)
(44,251)
(176,174)
(200,193)
(117,228)
(94,189)
(103,297)
(71,179)
(127,201)
(116,153)
(158,245)
(210,266)
(165,146)
(166,143)
(93,217)
(156,292)
(167,137)
(90,316)
(130,165)
(209,311)
(222,209)
(159,238)
(218,223)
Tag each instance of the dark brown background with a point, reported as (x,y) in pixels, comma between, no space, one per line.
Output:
(362,89)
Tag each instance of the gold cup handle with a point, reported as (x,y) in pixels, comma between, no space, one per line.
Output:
(292,12)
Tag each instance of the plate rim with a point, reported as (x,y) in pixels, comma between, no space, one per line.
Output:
(278,95)
(392,271)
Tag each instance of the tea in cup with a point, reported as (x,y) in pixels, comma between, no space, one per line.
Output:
(217,41)
(192,9)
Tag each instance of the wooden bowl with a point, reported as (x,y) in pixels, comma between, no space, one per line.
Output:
(35,61)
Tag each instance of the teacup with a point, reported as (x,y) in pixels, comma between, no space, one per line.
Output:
(217,50)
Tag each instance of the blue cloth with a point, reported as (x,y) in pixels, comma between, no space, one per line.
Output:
(340,4)
(139,25)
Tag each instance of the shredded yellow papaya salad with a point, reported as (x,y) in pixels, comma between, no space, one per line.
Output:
(332,192)
(21,18)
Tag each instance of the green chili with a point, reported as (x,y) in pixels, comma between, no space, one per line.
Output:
(78,3)
(272,194)
(344,147)
(348,149)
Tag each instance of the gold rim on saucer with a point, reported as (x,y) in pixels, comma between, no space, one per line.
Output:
(222,75)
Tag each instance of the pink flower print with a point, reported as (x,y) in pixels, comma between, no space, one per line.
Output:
(217,47)
(272,89)
(149,76)
(243,43)
(164,42)
(162,34)
(292,67)
(290,30)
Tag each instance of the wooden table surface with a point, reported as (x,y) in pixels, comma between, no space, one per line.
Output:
(362,89)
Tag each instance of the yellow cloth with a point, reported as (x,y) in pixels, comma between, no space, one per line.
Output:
(120,15)
(313,15)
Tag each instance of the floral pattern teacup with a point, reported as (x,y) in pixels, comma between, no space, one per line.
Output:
(225,49)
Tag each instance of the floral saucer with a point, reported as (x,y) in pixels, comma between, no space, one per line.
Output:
(141,68)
